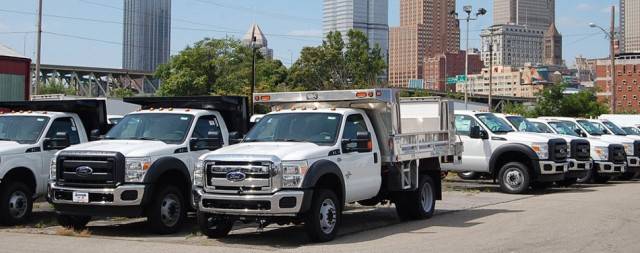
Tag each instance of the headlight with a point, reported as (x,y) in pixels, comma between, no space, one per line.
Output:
(198,174)
(52,169)
(135,169)
(628,148)
(601,153)
(541,149)
(293,173)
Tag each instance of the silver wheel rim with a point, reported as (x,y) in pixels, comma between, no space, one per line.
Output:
(170,210)
(18,204)
(426,198)
(328,216)
(513,178)
(467,174)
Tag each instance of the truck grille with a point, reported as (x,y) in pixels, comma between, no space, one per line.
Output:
(617,154)
(580,150)
(558,150)
(239,177)
(90,170)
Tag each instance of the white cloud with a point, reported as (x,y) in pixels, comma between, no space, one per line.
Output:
(584,7)
(307,33)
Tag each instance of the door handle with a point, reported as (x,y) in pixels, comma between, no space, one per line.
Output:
(375,158)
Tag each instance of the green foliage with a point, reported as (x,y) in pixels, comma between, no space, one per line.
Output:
(517,109)
(414,93)
(337,64)
(552,102)
(55,87)
(122,92)
(217,66)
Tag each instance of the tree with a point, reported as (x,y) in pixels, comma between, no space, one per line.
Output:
(553,102)
(121,92)
(55,87)
(217,66)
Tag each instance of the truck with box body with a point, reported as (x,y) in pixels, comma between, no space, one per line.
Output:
(143,165)
(318,150)
(30,134)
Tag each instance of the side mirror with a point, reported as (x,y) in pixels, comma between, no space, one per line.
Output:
(212,142)
(60,141)
(579,132)
(94,135)
(605,131)
(361,144)
(235,137)
(477,133)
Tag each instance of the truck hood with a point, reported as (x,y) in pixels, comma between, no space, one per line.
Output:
(597,142)
(286,151)
(616,139)
(526,137)
(567,138)
(129,148)
(11,147)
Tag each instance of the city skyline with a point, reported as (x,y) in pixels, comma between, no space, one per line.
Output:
(146,38)
(192,21)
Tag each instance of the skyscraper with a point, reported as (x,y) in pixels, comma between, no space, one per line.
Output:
(369,16)
(552,47)
(426,29)
(533,13)
(630,25)
(147,34)
(261,42)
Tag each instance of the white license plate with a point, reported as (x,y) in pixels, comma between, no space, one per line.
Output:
(81,197)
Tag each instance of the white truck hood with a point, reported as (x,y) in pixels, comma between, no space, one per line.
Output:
(286,151)
(526,137)
(597,142)
(12,148)
(129,148)
(616,139)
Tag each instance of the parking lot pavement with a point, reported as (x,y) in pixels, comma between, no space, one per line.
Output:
(471,218)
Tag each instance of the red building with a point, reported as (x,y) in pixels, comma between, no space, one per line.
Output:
(434,74)
(627,74)
(14,75)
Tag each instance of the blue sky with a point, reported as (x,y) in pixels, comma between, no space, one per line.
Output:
(89,32)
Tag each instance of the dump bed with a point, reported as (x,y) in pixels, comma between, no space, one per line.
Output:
(407,129)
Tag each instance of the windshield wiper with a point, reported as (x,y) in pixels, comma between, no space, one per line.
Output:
(146,139)
(503,131)
(5,139)
(290,140)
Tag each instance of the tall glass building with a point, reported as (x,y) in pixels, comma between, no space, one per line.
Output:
(368,16)
(147,34)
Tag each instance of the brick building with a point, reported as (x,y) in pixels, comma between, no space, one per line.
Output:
(627,74)
(453,64)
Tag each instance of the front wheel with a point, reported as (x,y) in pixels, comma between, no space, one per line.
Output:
(16,203)
(323,219)
(419,204)
(73,221)
(567,182)
(601,179)
(469,175)
(588,178)
(214,226)
(514,178)
(167,211)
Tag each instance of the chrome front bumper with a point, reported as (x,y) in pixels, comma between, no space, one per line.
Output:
(609,167)
(246,205)
(110,193)
(552,167)
(575,165)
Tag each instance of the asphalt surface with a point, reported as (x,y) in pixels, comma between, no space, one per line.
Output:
(473,217)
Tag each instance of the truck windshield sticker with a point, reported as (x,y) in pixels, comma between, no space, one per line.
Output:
(40,119)
(331,118)
(184,118)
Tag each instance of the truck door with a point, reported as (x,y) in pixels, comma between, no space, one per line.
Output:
(361,170)
(477,152)
(65,125)
(205,127)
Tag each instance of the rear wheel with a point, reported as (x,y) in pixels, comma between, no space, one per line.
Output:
(214,226)
(514,178)
(16,203)
(627,176)
(418,204)
(73,221)
(323,219)
(469,175)
(167,211)
(601,179)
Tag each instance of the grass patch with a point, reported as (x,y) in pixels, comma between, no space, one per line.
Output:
(72,232)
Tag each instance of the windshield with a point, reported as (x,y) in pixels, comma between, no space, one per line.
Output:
(613,128)
(166,127)
(495,124)
(543,128)
(22,129)
(590,127)
(522,124)
(565,128)
(631,130)
(318,128)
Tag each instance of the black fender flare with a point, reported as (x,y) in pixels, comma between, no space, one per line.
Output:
(513,147)
(319,169)
(161,166)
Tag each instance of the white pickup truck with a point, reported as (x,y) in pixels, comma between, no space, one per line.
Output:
(579,155)
(618,154)
(143,166)
(516,159)
(30,134)
(318,150)
(633,162)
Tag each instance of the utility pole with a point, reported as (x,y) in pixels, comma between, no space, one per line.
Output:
(612,37)
(491,75)
(468,9)
(38,46)
(253,65)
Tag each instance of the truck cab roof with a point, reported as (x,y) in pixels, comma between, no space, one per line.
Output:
(194,112)
(37,113)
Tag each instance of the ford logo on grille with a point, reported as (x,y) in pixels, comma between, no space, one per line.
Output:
(84,171)
(236,176)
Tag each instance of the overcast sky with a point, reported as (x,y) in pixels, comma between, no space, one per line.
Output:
(89,32)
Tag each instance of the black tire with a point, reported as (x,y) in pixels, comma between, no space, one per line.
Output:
(73,221)
(539,186)
(16,203)
(167,211)
(627,176)
(588,178)
(214,226)
(567,182)
(514,178)
(420,204)
(324,217)
(469,175)
(598,179)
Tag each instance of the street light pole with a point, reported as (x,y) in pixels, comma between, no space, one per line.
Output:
(253,66)
(38,46)
(611,35)
(468,9)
